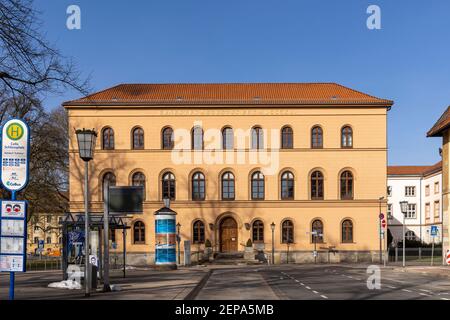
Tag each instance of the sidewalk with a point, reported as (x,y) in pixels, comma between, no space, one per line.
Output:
(140,284)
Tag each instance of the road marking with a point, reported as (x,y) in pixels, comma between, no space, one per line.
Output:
(359,279)
(406,290)
(302,284)
(325,297)
(296,280)
(424,294)
(392,287)
(308,288)
(315,292)
(444,299)
(426,290)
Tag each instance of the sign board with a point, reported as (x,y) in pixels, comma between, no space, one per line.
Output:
(434,231)
(381,216)
(126,200)
(448,257)
(13,233)
(15,149)
(383,224)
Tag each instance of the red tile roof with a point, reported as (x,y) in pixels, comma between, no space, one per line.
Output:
(414,170)
(442,124)
(230,94)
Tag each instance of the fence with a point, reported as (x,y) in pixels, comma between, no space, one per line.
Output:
(42,264)
(416,256)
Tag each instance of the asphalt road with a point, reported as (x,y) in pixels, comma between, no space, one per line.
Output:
(322,282)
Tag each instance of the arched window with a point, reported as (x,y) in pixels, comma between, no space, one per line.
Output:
(347,185)
(108,139)
(197,138)
(198,232)
(347,231)
(228,186)
(198,186)
(317,231)
(410,236)
(258,231)
(287,232)
(108,179)
(257,138)
(316,138)
(317,185)
(347,137)
(257,186)
(287,138)
(138,179)
(287,186)
(139,232)
(168,186)
(138,139)
(167,139)
(227,138)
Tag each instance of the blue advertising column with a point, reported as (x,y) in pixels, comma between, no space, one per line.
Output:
(165,239)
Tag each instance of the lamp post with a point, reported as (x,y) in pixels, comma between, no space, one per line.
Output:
(86,146)
(272,226)
(178,241)
(404,209)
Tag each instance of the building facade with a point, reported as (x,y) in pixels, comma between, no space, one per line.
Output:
(237,158)
(421,187)
(442,129)
(47,229)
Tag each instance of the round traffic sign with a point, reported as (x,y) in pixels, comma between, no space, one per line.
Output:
(381,216)
(383,224)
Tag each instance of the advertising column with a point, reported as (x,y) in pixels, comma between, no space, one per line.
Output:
(165,244)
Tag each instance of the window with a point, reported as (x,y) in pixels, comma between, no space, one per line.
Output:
(36,228)
(316,138)
(258,186)
(317,185)
(427,190)
(36,240)
(258,231)
(287,186)
(257,138)
(138,179)
(108,179)
(410,191)
(199,232)
(389,191)
(139,232)
(347,231)
(228,192)
(49,240)
(411,212)
(347,185)
(198,186)
(347,137)
(436,210)
(59,240)
(49,219)
(108,139)
(167,139)
(112,235)
(60,220)
(168,186)
(390,213)
(436,188)
(138,139)
(287,232)
(227,138)
(197,138)
(287,138)
(410,236)
(427,211)
(317,231)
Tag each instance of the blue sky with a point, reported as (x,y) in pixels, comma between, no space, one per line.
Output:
(165,41)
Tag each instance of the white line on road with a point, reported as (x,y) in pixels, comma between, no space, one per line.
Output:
(308,288)
(296,280)
(424,294)
(315,292)
(302,284)
(325,297)
(392,287)
(444,299)
(426,290)
(406,290)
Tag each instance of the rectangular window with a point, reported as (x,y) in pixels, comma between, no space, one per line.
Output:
(411,212)
(436,188)
(427,190)
(410,191)
(389,212)
(389,191)
(427,211)
(436,210)
(49,219)
(36,240)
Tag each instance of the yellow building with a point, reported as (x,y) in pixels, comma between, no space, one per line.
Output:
(235,158)
(47,229)
(442,129)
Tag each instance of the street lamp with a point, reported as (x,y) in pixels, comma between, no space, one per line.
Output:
(272,226)
(86,146)
(178,241)
(404,209)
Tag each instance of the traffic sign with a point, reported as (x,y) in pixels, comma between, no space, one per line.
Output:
(434,231)
(448,257)
(15,150)
(381,216)
(383,224)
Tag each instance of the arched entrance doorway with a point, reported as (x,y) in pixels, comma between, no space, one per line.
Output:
(228,235)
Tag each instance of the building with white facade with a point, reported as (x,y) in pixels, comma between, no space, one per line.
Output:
(421,187)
